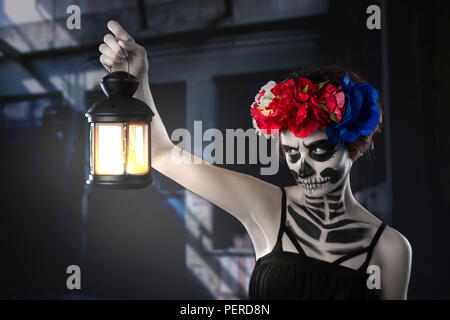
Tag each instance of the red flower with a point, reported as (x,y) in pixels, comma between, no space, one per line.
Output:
(332,101)
(307,126)
(299,105)
(319,114)
(304,89)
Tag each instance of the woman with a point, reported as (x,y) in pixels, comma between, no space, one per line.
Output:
(312,240)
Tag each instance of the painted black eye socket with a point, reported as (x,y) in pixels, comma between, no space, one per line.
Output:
(319,151)
(322,151)
(288,149)
(293,155)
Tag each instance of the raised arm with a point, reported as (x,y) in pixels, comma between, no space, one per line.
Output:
(252,201)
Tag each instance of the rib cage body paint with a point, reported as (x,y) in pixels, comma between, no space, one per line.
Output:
(319,221)
(321,226)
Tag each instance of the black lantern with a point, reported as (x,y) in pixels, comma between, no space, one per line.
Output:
(120,136)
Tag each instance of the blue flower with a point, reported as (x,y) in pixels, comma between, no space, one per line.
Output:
(361,115)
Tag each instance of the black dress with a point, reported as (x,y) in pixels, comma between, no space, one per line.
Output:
(288,275)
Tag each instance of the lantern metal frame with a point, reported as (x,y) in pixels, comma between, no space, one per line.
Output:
(119,107)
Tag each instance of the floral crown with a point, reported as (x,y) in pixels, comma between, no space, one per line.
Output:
(346,112)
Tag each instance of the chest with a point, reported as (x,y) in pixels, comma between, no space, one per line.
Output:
(320,235)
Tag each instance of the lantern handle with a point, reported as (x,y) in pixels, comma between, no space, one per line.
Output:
(128,62)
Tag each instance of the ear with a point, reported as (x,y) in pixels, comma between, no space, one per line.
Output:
(348,154)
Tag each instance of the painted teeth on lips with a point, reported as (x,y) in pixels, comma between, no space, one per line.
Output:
(314,183)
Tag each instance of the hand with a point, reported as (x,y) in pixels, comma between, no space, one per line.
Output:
(112,54)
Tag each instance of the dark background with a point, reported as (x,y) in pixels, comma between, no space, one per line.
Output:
(132,244)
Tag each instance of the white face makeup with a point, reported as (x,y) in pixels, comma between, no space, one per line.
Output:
(318,166)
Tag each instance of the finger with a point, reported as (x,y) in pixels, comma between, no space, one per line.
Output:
(103,48)
(107,67)
(108,61)
(132,47)
(128,45)
(118,31)
(112,43)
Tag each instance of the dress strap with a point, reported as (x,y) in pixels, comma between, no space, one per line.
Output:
(279,245)
(284,228)
(283,215)
(372,246)
(368,249)
(351,255)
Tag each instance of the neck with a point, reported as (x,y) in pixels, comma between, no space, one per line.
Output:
(332,206)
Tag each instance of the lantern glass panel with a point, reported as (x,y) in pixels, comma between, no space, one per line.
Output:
(137,148)
(91,147)
(109,158)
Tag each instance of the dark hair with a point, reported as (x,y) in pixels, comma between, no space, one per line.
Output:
(333,74)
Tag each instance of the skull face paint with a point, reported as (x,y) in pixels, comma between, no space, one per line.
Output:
(318,166)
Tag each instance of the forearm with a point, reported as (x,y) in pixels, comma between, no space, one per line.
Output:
(160,140)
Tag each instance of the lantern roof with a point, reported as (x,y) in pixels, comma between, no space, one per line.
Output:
(119,104)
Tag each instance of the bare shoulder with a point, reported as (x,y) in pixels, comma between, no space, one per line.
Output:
(393,255)
(393,249)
